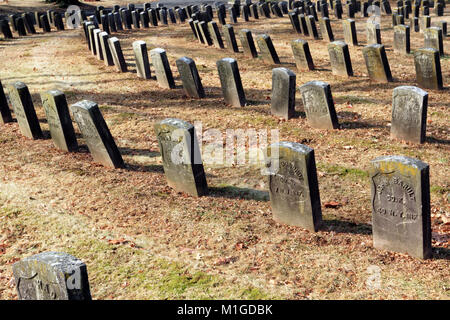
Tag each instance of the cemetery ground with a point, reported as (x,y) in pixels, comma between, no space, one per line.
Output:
(142,240)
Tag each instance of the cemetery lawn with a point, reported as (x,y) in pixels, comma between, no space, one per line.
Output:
(142,240)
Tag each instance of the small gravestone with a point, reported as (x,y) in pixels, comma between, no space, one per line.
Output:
(283,93)
(409,114)
(192,83)
(205,33)
(181,157)
(350,32)
(443,26)
(325,29)
(268,52)
(58,119)
(230,80)
(402,39)
(117,54)
(424,23)
(303,24)
(302,55)
(24,110)
(433,39)
(6,30)
(95,131)
(215,35)
(377,63)
(97,43)
(247,43)
(51,276)
(5,113)
(311,25)
(118,21)
(319,105)
(104,46)
(198,31)
(428,68)
(341,64)
(44,23)
(401,205)
(193,28)
(373,33)
(162,68)
(295,22)
(91,29)
(230,38)
(141,56)
(293,185)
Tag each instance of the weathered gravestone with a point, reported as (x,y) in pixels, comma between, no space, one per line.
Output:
(5,113)
(283,93)
(45,25)
(409,114)
(402,39)
(424,23)
(268,52)
(373,33)
(319,105)
(96,34)
(198,31)
(428,68)
(377,63)
(293,185)
(51,276)
(92,47)
(341,64)
(24,110)
(104,46)
(433,39)
(203,26)
(302,55)
(162,68)
(325,29)
(117,54)
(181,157)
(192,83)
(96,133)
(247,43)
(350,32)
(293,16)
(58,119)
(312,28)
(230,80)
(215,34)
(401,205)
(230,38)
(141,56)
(6,30)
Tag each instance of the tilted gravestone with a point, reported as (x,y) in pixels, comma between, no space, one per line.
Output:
(51,276)
(230,38)
(45,25)
(325,29)
(268,52)
(193,28)
(58,119)
(341,64)
(117,54)
(293,185)
(6,30)
(283,93)
(428,68)
(162,68)
(377,63)
(198,31)
(402,39)
(373,33)
(350,32)
(401,205)
(92,46)
(433,39)
(319,105)
(302,55)
(203,26)
(5,113)
(181,157)
(230,80)
(141,56)
(312,28)
(192,83)
(409,114)
(23,108)
(97,43)
(215,35)
(104,46)
(247,43)
(295,22)
(95,131)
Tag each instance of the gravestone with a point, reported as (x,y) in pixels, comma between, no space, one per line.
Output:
(401,205)
(6,30)
(198,31)
(51,276)
(117,55)
(141,56)
(91,29)
(425,23)
(302,55)
(247,43)
(303,24)
(58,119)
(97,43)
(5,113)
(44,23)
(181,156)
(433,39)
(443,26)
(104,46)
(311,25)
(373,32)
(293,185)
(319,105)
(295,22)
(402,39)
(350,32)
(409,114)
(215,34)
(118,21)
(268,52)
(428,68)
(162,68)
(231,83)
(230,38)
(194,29)
(325,29)
(192,83)
(283,93)
(24,111)
(96,133)
(377,63)
(341,64)
(203,26)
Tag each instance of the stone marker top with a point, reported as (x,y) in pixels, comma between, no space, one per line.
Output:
(103,33)
(19,85)
(159,50)
(58,260)
(177,123)
(139,42)
(407,161)
(413,88)
(113,39)
(185,59)
(317,83)
(86,104)
(229,60)
(339,42)
(432,50)
(282,69)
(297,147)
(374,45)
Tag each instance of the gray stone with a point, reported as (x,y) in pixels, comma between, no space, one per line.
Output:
(117,55)
(5,113)
(433,39)
(215,35)
(230,80)
(141,58)
(230,38)
(350,32)
(302,55)
(373,33)
(162,68)
(377,63)
(104,46)
(92,46)
(96,36)
(402,39)
(325,29)
(283,93)
(428,68)
(268,52)
(192,83)
(247,43)
(341,64)
(312,29)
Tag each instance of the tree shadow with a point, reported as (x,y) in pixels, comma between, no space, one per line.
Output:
(341,226)
(441,253)
(156,168)
(233,192)
(139,152)
(436,140)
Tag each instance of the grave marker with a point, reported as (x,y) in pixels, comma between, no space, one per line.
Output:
(283,93)
(377,63)
(341,64)
(162,68)
(247,43)
(5,113)
(428,68)
(302,55)
(268,52)
(141,56)
(192,83)
(402,39)
(117,55)
(230,80)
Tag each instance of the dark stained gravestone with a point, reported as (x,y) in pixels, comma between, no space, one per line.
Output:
(402,39)
(341,64)
(117,54)
(44,23)
(428,68)
(349,28)
(162,68)
(409,114)
(181,157)
(302,55)
(24,110)
(141,56)
(325,29)
(58,119)
(312,29)
(104,46)
(293,16)
(118,21)
(230,38)
(153,17)
(230,80)
(59,24)
(268,52)
(5,113)
(51,276)
(373,33)
(21,27)
(401,205)
(194,29)
(247,43)
(319,105)
(192,83)
(293,185)
(7,34)
(377,63)
(97,43)
(203,26)
(96,133)
(112,22)
(433,39)
(283,93)
(143,16)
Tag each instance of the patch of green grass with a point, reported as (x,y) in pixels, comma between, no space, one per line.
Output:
(357,99)
(253,294)
(353,173)
(439,189)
